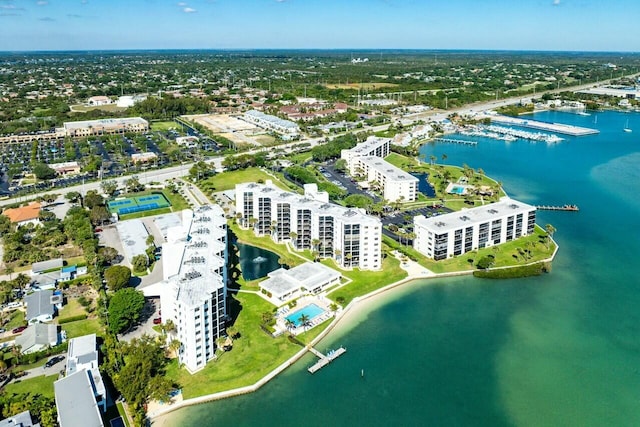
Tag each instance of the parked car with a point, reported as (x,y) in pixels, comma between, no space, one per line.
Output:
(2,330)
(53,361)
(157,320)
(19,329)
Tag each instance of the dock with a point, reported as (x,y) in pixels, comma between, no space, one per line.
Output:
(324,360)
(552,127)
(569,208)
(455,141)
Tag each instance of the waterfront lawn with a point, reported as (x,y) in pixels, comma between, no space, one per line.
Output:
(82,327)
(364,282)
(228,180)
(253,356)
(40,385)
(311,334)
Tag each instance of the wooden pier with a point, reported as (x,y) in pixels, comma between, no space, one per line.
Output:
(325,359)
(455,141)
(569,208)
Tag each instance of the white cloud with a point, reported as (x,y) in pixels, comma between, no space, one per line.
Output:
(556,2)
(182,4)
(42,3)
(189,10)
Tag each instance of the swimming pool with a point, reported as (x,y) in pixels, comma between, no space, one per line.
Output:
(311,311)
(457,190)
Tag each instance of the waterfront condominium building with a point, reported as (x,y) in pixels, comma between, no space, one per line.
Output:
(373,146)
(347,235)
(455,233)
(193,292)
(394,183)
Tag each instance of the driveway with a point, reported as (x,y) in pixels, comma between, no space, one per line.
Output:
(109,237)
(41,370)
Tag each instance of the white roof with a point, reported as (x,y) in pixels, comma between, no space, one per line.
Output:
(108,123)
(75,401)
(165,222)
(82,352)
(468,217)
(391,172)
(133,235)
(308,276)
(371,143)
(273,119)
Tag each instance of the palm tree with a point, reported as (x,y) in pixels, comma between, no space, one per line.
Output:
(550,229)
(293,236)
(174,347)
(290,324)
(315,243)
(304,320)
(337,253)
(432,159)
(444,157)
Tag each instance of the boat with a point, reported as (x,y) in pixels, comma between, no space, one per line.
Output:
(259,259)
(583,113)
(627,128)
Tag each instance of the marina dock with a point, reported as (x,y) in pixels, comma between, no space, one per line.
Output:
(570,208)
(552,127)
(325,359)
(455,141)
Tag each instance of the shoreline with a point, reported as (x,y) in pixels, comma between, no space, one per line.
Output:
(343,319)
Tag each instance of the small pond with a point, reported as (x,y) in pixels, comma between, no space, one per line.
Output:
(256,262)
(423,185)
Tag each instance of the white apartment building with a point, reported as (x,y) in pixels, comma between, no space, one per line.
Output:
(193,292)
(396,184)
(269,122)
(347,235)
(373,146)
(456,233)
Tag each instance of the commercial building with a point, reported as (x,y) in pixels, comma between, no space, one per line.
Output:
(29,214)
(81,394)
(99,100)
(23,419)
(147,156)
(312,278)
(347,235)
(105,126)
(193,293)
(127,101)
(133,235)
(456,233)
(269,122)
(373,146)
(66,168)
(394,183)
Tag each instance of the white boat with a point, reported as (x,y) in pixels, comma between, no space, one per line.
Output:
(583,113)
(626,127)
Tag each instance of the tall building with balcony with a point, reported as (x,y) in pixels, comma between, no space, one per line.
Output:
(347,235)
(193,294)
(456,233)
(394,183)
(373,146)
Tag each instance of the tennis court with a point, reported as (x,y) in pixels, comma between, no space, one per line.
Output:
(128,205)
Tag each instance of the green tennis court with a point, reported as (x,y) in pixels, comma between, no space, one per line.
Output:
(128,205)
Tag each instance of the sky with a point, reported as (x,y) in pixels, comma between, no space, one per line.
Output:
(561,25)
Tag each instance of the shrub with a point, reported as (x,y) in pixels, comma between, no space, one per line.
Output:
(72,318)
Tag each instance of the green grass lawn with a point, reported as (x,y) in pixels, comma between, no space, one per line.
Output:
(253,355)
(228,180)
(72,308)
(364,282)
(164,126)
(42,385)
(17,319)
(82,327)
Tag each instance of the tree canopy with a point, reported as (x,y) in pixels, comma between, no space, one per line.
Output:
(117,277)
(125,307)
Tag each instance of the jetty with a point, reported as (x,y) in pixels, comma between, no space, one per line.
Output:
(552,127)
(570,208)
(455,141)
(324,360)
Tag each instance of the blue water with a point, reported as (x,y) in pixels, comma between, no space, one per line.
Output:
(457,190)
(311,311)
(561,349)
(255,262)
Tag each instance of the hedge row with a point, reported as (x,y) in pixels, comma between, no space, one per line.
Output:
(72,319)
(515,272)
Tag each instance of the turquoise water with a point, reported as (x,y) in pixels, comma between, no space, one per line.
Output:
(310,311)
(457,190)
(557,350)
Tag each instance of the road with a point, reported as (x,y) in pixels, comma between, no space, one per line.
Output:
(173,172)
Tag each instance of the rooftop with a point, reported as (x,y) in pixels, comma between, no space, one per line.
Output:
(309,276)
(38,334)
(391,172)
(39,303)
(467,217)
(23,419)
(106,123)
(273,119)
(371,143)
(76,402)
(133,235)
(25,213)
(82,352)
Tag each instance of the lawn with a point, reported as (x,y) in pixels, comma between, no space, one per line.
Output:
(72,308)
(228,180)
(163,126)
(364,282)
(82,327)
(161,211)
(253,355)
(41,385)
(16,319)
